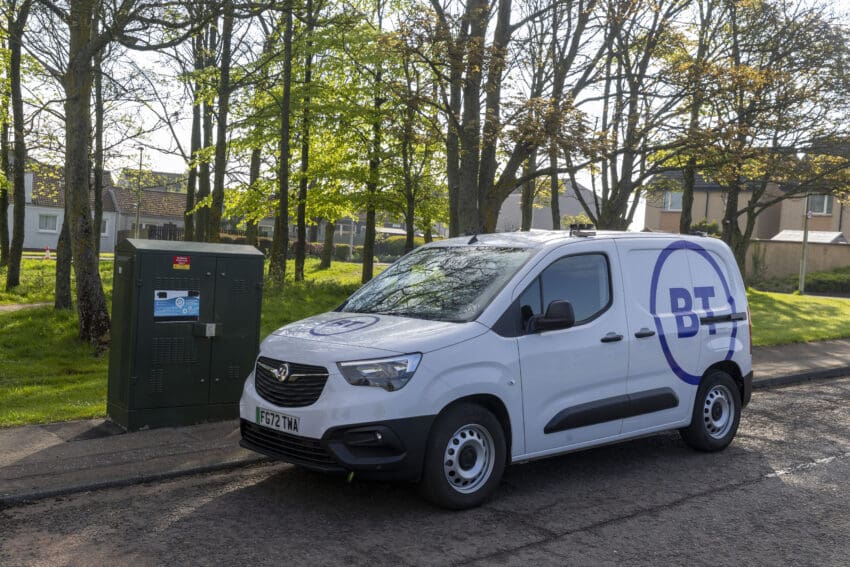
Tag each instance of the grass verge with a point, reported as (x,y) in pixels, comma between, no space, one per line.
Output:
(47,375)
(780,318)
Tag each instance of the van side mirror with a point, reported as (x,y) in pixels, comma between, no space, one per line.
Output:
(559,315)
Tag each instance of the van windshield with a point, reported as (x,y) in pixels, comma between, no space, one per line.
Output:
(442,283)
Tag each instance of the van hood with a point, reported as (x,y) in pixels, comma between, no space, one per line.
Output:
(382,332)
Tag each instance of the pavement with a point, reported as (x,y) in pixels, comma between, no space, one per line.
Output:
(58,459)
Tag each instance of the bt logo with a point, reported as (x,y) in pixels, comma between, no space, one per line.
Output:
(682,304)
(680,310)
(344,325)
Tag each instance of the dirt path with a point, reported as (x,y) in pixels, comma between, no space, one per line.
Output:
(20,306)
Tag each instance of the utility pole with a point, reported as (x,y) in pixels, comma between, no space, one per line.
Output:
(139,191)
(806,217)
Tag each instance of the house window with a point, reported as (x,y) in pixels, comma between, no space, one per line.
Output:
(47,223)
(820,204)
(672,200)
(103,227)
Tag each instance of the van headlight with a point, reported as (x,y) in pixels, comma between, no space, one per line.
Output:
(388,373)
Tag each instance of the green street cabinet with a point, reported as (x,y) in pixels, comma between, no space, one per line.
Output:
(185,331)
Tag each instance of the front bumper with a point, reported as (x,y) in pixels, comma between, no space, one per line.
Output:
(384,450)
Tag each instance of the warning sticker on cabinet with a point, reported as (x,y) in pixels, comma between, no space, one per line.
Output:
(176,305)
(182,263)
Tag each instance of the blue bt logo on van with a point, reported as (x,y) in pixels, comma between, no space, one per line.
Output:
(678,312)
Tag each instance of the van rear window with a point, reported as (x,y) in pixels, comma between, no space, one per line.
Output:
(440,283)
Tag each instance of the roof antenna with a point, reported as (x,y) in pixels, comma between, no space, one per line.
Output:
(473,240)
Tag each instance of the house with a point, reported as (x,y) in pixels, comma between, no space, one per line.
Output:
(827,214)
(664,205)
(159,208)
(664,208)
(44,187)
(159,180)
(510,215)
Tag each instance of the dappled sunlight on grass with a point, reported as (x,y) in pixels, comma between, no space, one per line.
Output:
(38,280)
(46,374)
(780,318)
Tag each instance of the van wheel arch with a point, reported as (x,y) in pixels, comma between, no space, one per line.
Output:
(497,407)
(732,370)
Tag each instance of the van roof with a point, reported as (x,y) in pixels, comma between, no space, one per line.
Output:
(542,238)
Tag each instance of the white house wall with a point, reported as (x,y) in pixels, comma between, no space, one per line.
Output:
(35,239)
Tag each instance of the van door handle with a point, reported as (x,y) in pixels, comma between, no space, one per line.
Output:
(612,338)
(643,333)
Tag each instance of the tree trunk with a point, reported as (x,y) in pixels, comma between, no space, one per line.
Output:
(527,199)
(301,210)
(202,216)
(407,151)
(280,242)
(688,181)
(554,191)
(328,247)
(98,150)
(62,284)
(16,247)
(487,165)
(4,188)
(77,83)
(195,146)
(371,195)
(217,207)
(253,176)
(478,14)
(453,146)
(374,170)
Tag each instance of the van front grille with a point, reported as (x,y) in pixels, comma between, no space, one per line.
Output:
(301,387)
(289,448)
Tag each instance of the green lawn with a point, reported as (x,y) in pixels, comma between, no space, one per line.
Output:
(780,318)
(46,375)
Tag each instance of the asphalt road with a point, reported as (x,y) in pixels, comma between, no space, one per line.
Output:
(779,495)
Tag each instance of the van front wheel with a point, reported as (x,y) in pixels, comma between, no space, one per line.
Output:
(717,412)
(465,457)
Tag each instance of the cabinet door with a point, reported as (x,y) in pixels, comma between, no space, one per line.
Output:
(238,297)
(171,363)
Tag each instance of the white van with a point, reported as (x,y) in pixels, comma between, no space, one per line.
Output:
(469,354)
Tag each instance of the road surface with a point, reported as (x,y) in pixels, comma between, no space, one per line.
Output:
(779,495)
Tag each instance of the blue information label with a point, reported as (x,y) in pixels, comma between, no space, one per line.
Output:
(176,305)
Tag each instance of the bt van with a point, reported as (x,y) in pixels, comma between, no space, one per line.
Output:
(470,354)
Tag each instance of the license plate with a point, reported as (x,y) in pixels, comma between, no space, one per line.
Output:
(279,421)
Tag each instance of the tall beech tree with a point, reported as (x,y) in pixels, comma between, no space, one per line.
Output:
(5,173)
(133,23)
(16,18)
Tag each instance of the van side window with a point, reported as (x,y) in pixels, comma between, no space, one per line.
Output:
(529,302)
(583,280)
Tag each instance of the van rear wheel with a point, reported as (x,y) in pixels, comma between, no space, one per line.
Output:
(717,412)
(465,457)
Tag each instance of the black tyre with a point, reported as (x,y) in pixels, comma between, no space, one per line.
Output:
(464,458)
(717,412)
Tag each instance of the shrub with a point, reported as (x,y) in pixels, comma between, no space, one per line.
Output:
(313,249)
(394,245)
(833,282)
(711,227)
(341,252)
